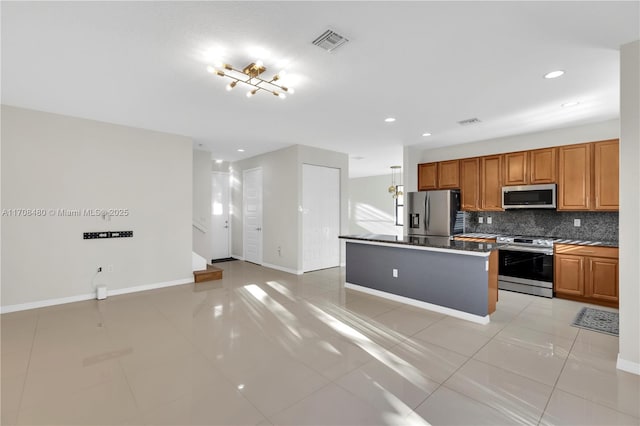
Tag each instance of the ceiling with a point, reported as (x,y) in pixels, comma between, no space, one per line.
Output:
(428,64)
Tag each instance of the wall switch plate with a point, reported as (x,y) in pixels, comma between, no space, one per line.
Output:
(489,220)
(395,273)
(576,222)
(480,219)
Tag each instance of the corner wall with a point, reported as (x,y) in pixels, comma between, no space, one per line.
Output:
(282,201)
(629,356)
(53,162)
(371,207)
(202,190)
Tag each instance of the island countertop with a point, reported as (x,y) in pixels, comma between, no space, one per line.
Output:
(420,241)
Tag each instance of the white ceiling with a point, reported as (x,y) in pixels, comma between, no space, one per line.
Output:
(429,64)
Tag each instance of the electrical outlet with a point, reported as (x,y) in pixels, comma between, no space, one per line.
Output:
(480,219)
(110,268)
(489,220)
(576,222)
(395,273)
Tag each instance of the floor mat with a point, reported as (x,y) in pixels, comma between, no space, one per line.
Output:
(597,320)
(226,259)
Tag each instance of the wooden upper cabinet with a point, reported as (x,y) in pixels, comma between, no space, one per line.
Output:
(427,176)
(606,175)
(516,168)
(491,182)
(574,177)
(542,166)
(449,174)
(469,183)
(530,167)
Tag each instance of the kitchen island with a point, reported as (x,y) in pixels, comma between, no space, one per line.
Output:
(457,278)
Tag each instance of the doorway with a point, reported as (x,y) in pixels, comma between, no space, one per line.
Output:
(220,231)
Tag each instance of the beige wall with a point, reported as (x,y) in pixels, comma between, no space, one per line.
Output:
(202,190)
(282,198)
(58,162)
(371,207)
(629,356)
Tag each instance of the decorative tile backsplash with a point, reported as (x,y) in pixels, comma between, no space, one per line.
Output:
(594,226)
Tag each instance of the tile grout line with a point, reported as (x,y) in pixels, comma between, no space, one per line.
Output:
(553,388)
(26,373)
(469,358)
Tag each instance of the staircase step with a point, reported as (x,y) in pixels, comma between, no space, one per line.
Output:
(209,274)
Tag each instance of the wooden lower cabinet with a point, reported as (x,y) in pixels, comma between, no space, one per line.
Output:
(587,274)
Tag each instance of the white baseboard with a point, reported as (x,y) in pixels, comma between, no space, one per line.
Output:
(237,256)
(420,304)
(45,303)
(90,296)
(146,287)
(283,269)
(628,366)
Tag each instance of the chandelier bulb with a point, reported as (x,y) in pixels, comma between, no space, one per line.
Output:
(282,96)
(228,67)
(259,63)
(220,73)
(211,69)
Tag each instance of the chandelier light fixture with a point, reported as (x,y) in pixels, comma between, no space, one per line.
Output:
(251,76)
(396,181)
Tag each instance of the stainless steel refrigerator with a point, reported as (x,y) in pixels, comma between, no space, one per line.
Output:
(434,213)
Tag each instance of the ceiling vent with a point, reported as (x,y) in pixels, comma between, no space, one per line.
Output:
(469,121)
(330,41)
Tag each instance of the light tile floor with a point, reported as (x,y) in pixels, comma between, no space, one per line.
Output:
(265,347)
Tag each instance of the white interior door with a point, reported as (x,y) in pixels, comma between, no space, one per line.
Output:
(220,215)
(252,215)
(320,217)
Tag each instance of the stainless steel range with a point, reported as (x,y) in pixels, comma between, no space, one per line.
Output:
(526,265)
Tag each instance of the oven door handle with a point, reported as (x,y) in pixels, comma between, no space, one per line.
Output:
(546,251)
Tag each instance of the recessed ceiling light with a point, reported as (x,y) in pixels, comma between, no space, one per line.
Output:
(554,74)
(389,119)
(218,161)
(569,104)
(426,134)
(240,150)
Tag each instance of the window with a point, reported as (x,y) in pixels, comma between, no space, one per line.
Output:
(400,205)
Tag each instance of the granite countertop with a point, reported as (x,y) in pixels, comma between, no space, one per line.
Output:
(424,241)
(556,240)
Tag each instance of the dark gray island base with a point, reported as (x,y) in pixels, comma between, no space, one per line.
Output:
(436,273)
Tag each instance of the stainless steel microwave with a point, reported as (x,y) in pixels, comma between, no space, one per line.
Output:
(529,197)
